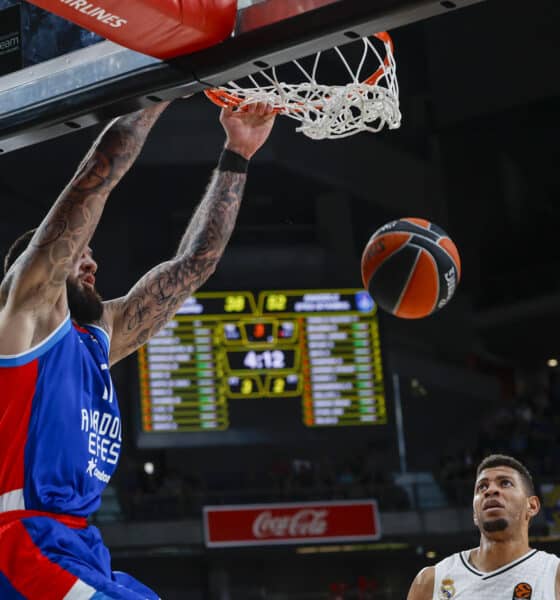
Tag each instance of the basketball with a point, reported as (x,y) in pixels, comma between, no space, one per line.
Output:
(411,268)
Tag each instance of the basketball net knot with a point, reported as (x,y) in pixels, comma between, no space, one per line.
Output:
(346,110)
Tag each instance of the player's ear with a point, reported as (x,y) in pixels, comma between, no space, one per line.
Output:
(533,506)
(475,518)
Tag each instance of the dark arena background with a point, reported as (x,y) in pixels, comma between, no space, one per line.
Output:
(257,418)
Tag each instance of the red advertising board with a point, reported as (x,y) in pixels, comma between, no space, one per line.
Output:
(291,523)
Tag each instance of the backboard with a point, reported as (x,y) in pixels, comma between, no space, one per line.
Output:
(102,81)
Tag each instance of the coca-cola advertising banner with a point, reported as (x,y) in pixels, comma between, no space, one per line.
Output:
(291,523)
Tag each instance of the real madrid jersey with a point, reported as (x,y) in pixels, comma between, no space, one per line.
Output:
(60,428)
(531,577)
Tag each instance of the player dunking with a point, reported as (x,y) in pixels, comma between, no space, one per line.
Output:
(503,567)
(60,429)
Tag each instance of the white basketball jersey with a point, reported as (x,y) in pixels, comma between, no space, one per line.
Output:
(530,577)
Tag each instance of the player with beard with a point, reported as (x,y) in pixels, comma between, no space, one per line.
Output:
(60,428)
(504,566)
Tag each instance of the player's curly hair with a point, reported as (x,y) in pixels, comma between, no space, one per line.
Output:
(17,248)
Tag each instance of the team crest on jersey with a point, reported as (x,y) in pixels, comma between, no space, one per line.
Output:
(522,590)
(447,589)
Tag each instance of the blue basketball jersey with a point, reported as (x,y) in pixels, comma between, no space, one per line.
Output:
(60,427)
(60,439)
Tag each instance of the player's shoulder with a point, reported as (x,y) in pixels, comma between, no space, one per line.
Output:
(426,576)
(422,587)
(424,583)
(553,561)
(543,556)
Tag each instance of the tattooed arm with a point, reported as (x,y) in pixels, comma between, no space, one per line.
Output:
(36,283)
(155,299)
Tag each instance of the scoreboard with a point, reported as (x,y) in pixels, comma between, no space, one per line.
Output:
(313,357)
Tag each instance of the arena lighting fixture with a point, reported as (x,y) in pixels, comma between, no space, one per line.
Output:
(552,362)
(431,554)
(149,468)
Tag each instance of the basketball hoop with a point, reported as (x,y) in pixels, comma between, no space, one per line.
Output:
(326,110)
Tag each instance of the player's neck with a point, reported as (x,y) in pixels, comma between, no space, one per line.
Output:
(493,554)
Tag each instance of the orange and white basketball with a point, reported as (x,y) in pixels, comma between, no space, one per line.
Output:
(411,268)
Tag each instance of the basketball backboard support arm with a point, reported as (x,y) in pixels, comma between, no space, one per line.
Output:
(95,84)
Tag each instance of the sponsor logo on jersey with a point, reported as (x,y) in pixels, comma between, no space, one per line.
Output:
(93,471)
(104,431)
(522,590)
(447,589)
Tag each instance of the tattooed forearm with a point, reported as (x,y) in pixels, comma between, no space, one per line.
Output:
(214,220)
(158,295)
(71,222)
(115,150)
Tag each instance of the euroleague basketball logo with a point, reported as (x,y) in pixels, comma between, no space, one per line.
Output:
(522,590)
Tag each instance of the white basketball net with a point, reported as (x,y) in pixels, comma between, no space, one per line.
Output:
(327,111)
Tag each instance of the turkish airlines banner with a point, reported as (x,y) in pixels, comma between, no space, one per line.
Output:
(291,523)
(160,28)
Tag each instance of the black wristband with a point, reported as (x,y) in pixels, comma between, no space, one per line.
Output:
(231,161)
